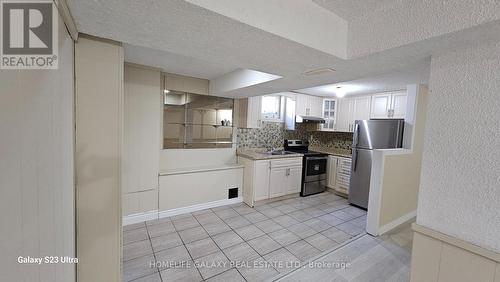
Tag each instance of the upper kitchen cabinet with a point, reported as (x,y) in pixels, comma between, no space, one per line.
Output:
(290,105)
(308,105)
(250,110)
(398,104)
(329,114)
(389,105)
(362,106)
(350,110)
(345,109)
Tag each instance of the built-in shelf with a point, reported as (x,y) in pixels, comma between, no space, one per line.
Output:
(190,117)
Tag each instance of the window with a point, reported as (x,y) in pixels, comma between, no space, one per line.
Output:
(272,108)
(197,121)
(329,114)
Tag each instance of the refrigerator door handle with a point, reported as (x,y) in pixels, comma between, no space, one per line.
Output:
(356,135)
(354,159)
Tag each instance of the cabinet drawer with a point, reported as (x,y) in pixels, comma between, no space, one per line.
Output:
(343,179)
(286,162)
(344,170)
(345,162)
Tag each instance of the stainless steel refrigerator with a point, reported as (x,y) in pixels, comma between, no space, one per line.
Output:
(370,135)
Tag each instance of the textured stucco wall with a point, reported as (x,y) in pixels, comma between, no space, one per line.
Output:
(460,181)
(397,23)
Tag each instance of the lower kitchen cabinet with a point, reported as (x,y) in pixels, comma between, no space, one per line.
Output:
(259,176)
(265,179)
(332,171)
(343,176)
(339,173)
(277,186)
(294,180)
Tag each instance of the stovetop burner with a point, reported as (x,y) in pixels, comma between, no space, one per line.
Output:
(302,147)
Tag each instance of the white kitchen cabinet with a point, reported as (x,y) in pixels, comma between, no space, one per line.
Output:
(361,110)
(332,171)
(344,112)
(343,175)
(316,106)
(301,105)
(265,179)
(261,178)
(294,180)
(389,105)
(350,110)
(380,105)
(398,105)
(255,180)
(277,186)
(309,105)
(329,114)
(250,112)
(339,174)
(290,113)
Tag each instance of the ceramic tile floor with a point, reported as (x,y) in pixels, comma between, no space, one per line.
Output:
(239,243)
(384,258)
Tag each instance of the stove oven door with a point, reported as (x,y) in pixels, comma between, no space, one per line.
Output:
(314,180)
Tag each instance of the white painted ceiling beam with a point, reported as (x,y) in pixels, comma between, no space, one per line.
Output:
(297,20)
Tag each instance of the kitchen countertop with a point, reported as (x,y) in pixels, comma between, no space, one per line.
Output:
(332,151)
(258,154)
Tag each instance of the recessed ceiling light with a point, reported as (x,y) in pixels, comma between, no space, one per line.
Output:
(166,91)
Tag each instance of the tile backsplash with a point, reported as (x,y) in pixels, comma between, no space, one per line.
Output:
(272,134)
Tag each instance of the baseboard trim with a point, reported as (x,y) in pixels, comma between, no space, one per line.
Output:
(459,243)
(395,223)
(139,217)
(199,207)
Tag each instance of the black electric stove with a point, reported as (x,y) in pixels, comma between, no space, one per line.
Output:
(314,166)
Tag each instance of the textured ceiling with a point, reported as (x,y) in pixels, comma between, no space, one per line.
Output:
(395,80)
(184,38)
(352,9)
(174,63)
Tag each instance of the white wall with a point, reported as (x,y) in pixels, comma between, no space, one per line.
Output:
(36,168)
(459,191)
(396,172)
(143,104)
(99,135)
(188,158)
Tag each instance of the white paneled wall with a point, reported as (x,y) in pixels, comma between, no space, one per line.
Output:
(98,159)
(142,114)
(36,168)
